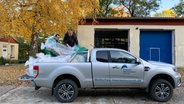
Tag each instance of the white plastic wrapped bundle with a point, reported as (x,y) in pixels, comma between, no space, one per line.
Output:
(63,50)
(80,58)
(30,63)
(44,58)
(56,47)
(64,54)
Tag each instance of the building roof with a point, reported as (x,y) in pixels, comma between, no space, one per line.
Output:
(8,39)
(134,21)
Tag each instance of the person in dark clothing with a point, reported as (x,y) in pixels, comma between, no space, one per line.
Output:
(70,38)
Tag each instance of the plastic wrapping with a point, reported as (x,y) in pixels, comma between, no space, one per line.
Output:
(59,49)
(64,54)
(44,58)
(80,58)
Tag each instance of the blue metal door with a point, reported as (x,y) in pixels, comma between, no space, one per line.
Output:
(156,46)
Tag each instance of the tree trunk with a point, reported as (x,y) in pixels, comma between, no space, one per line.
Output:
(34,44)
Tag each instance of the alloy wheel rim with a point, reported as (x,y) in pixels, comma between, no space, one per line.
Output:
(162,91)
(66,91)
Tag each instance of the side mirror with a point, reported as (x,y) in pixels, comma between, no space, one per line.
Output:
(138,61)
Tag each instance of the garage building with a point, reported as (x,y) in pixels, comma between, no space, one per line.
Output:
(157,39)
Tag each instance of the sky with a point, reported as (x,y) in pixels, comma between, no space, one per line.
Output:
(167,4)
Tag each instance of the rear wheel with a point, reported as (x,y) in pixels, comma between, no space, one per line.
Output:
(66,91)
(161,90)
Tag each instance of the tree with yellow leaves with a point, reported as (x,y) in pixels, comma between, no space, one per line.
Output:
(121,12)
(34,18)
(165,13)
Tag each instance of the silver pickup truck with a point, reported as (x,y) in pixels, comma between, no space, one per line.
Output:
(106,68)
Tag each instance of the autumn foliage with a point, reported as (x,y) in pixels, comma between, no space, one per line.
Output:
(166,13)
(33,18)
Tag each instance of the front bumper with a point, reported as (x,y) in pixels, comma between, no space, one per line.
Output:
(178,80)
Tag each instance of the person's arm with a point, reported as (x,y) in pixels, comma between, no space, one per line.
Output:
(75,39)
(65,40)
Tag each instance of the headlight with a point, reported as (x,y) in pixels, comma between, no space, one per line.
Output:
(175,69)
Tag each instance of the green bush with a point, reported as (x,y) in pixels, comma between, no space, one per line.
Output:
(3,61)
(23,60)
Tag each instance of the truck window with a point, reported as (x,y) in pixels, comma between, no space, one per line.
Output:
(102,56)
(122,57)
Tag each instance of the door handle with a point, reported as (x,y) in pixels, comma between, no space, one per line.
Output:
(115,67)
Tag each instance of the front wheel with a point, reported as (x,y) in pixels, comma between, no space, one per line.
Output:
(161,90)
(66,91)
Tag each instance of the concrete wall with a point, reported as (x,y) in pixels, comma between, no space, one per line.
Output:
(86,38)
(16,47)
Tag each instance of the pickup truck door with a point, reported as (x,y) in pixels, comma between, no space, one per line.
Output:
(124,71)
(100,69)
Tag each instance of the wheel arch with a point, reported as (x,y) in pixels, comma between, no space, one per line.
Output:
(161,76)
(66,76)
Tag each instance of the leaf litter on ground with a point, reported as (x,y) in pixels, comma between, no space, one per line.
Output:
(9,75)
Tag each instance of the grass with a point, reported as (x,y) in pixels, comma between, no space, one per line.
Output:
(9,74)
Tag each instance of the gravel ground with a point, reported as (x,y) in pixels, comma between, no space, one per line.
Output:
(5,89)
(27,94)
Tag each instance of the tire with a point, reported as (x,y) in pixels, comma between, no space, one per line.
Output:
(161,90)
(66,91)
